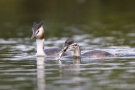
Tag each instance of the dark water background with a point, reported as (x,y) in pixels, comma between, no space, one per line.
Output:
(107,25)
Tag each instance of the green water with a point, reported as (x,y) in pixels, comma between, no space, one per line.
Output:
(93,24)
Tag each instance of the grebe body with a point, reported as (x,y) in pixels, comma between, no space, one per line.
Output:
(54,52)
(71,45)
(97,54)
(38,33)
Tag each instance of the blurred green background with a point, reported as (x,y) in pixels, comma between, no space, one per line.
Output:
(66,18)
(94,24)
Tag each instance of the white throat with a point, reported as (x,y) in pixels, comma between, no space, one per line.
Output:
(40,47)
(77,51)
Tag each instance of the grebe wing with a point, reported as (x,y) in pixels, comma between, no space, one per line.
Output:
(97,53)
(54,52)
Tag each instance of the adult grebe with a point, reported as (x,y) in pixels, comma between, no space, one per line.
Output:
(71,45)
(38,33)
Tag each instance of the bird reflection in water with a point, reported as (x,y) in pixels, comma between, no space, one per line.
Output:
(41,83)
(70,71)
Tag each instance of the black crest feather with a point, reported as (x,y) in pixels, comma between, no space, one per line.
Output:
(37,26)
(69,42)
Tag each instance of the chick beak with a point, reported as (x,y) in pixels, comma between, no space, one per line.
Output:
(62,52)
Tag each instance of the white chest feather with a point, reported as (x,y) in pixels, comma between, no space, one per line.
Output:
(40,47)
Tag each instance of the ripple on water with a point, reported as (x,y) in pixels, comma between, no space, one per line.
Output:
(18,64)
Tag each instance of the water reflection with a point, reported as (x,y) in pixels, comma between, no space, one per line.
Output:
(77,73)
(94,24)
(41,81)
(70,73)
(70,68)
(66,69)
(76,65)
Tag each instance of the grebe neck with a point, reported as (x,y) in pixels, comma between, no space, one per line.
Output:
(77,51)
(40,47)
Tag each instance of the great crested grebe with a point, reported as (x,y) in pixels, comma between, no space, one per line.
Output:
(71,45)
(38,33)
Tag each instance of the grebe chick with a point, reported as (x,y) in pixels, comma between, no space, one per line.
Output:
(38,33)
(71,45)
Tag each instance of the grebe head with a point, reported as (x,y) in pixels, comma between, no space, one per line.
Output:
(69,45)
(38,31)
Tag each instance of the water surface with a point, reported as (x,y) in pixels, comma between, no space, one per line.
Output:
(101,25)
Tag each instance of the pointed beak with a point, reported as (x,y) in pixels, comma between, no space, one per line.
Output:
(62,52)
(33,36)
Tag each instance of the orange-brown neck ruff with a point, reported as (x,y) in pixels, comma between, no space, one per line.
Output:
(42,35)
